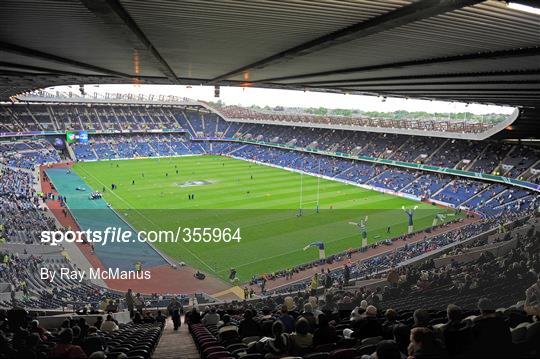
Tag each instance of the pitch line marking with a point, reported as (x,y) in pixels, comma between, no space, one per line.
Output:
(149,220)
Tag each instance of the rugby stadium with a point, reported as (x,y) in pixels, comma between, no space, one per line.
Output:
(269,179)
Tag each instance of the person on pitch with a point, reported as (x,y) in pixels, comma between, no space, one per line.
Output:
(232,273)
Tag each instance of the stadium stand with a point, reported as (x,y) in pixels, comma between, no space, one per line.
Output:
(467,286)
(339,317)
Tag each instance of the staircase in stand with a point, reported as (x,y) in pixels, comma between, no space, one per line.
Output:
(176,344)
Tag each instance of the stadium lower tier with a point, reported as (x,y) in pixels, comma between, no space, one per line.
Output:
(477,263)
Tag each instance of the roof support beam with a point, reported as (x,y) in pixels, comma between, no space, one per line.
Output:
(13,73)
(420,10)
(457,92)
(351,82)
(19,50)
(38,69)
(412,85)
(113,13)
(530,51)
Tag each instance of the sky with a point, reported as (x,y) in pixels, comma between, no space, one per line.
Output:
(292,98)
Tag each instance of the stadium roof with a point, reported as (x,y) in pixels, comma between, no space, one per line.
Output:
(466,50)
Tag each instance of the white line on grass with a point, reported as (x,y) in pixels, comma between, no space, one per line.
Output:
(291,252)
(300,250)
(147,219)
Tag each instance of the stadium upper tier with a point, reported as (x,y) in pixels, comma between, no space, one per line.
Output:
(445,125)
(438,125)
(514,161)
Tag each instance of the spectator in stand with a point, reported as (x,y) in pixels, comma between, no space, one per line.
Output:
(329,307)
(160,318)
(26,344)
(301,339)
(5,346)
(490,333)
(111,307)
(389,324)
(532,298)
(402,335)
(99,322)
(421,318)
(385,349)
(248,327)
(193,316)
(130,302)
(138,302)
(286,319)
(109,325)
(211,317)
(64,349)
(84,327)
(325,333)
(451,334)
(93,342)
(36,328)
(77,340)
(291,306)
(277,346)
(345,306)
(424,345)
(138,318)
(359,310)
(309,316)
(367,325)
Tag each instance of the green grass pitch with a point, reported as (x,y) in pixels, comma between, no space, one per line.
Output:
(263,207)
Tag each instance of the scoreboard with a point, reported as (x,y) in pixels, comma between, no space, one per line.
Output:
(77,136)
